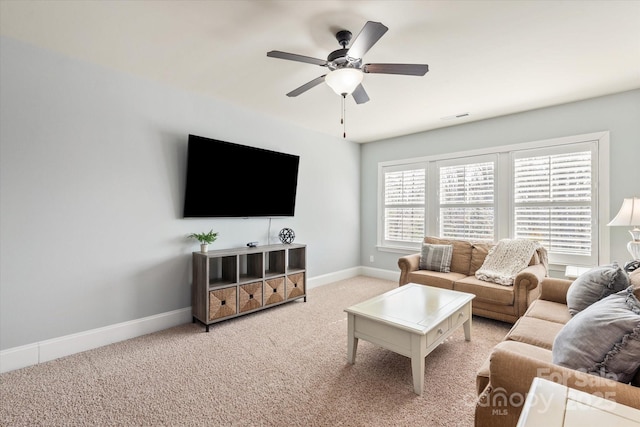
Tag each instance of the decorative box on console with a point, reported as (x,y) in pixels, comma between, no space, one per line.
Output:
(274,291)
(250,296)
(295,285)
(222,303)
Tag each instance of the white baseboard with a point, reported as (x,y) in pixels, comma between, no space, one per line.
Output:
(44,351)
(353,272)
(325,279)
(380,273)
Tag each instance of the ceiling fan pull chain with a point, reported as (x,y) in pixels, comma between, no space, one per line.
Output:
(343,118)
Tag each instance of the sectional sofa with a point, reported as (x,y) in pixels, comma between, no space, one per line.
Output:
(527,352)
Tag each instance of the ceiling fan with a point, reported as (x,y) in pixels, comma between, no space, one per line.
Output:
(345,65)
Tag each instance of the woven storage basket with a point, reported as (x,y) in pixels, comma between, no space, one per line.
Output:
(295,285)
(222,303)
(273,290)
(250,296)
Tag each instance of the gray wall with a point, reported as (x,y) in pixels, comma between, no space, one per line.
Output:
(619,114)
(92,167)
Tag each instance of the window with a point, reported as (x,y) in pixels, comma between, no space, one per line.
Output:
(404,204)
(467,201)
(546,191)
(554,201)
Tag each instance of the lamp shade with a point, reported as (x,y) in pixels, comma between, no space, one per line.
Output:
(344,81)
(629,213)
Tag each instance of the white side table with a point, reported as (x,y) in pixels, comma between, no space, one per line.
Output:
(551,404)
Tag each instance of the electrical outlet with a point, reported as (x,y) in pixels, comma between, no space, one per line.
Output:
(370,258)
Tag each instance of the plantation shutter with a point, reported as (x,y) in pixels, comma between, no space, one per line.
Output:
(404,205)
(554,201)
(467,200)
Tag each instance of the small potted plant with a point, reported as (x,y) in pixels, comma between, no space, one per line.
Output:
(205,239)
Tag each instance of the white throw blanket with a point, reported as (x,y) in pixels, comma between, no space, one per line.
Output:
(507,258)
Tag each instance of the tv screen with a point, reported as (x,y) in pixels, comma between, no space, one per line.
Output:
(232,180)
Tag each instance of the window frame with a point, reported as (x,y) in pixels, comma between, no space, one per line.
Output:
(382,170)
(504,223)
(592,146)
(466,161)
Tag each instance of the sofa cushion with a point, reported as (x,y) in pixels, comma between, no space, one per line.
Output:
(549,310)
(485,291)
(542,354)
(436,257)
(461,257)
(603,339)
(554,289)
(594,285)
(434,278)
(538,332)
(506,259)
(479,252)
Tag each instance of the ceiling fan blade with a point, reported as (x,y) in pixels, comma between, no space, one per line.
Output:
(360,95)
(305,87)
(405,69)
(368,36)
(295,57)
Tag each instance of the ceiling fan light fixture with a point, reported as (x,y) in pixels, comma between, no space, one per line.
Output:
(344,81)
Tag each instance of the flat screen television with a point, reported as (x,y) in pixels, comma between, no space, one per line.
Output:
(232,180)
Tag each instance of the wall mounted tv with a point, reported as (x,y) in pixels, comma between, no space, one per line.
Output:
(232,180)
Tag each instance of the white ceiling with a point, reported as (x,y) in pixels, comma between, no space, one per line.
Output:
(486,58)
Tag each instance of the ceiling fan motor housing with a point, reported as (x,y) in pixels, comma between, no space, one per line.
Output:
(336,55)
(344,37)
(338,58)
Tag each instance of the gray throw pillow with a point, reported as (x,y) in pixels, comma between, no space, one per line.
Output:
(436,257)
(594,285)
(603,339)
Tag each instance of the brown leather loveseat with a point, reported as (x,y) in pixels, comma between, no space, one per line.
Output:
(495,301)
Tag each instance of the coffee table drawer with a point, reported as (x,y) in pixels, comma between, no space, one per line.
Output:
(461,316)
(437,332)
(385,336)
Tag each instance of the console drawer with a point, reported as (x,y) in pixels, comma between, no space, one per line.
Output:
(295,285)
(222,303)
(273,290)
(250,296)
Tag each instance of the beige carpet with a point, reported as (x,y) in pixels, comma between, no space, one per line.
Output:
(285,366)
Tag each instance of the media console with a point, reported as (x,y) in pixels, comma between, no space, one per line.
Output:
(229,283)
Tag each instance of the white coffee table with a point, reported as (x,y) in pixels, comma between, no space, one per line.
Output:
(411,320)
